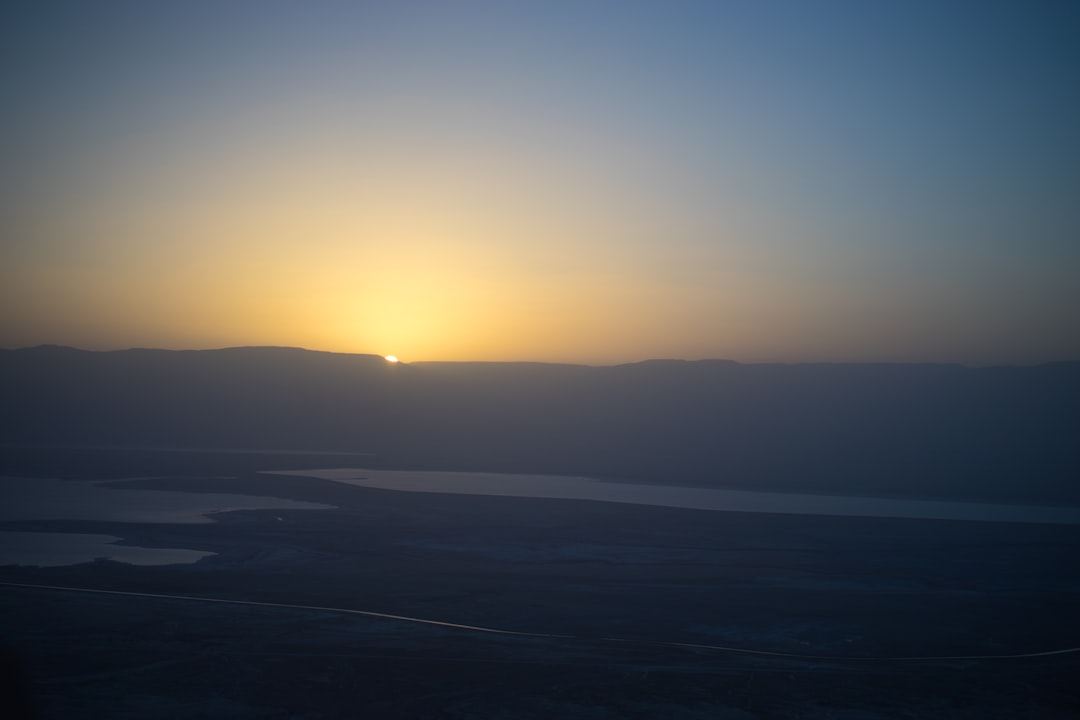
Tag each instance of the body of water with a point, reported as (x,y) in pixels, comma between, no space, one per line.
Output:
(40,499)
(46,549)
(36,499)
(570,488)
(47,499)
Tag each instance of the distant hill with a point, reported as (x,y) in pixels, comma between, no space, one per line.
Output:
(911,429)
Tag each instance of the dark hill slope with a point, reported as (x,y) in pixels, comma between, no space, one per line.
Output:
(940,430)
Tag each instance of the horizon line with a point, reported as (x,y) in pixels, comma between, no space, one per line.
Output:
(405,362)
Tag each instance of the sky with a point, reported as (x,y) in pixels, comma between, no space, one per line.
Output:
(568,180)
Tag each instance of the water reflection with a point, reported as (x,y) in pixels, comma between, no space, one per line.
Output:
(567,488)
(36,499)
(47,499)
(47,549)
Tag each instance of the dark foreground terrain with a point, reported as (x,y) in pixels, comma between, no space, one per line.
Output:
(624,584)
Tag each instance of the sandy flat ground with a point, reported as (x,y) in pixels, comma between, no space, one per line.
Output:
(621,579)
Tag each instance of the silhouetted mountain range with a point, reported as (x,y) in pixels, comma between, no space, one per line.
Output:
(903,429)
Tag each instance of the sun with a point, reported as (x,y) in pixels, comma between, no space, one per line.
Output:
(391,358)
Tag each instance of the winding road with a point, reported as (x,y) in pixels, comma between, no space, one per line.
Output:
(552,636)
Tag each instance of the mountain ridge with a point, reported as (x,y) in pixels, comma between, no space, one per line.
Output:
(926,430)
(50,347)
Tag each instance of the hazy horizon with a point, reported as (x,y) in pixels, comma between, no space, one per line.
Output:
(522,360)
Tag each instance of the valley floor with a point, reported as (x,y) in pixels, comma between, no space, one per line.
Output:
(622,581)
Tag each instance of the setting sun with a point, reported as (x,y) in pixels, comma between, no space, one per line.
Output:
(391,358)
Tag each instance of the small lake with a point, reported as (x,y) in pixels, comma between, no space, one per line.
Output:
(696,498)
(110,501)
(46,549)
(35,499)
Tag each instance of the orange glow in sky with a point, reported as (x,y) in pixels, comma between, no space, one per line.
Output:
(559,183)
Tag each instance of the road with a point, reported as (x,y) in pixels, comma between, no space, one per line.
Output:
(552,636)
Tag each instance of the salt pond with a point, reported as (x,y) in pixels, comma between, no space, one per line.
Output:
(35,499)
(47,549)
(47,499)
(573,488)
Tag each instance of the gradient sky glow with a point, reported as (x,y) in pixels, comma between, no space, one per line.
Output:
(577,181)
